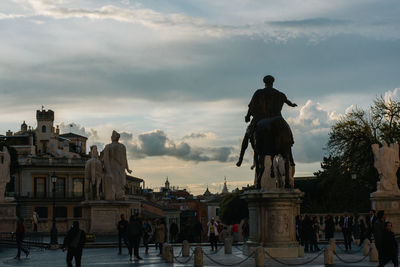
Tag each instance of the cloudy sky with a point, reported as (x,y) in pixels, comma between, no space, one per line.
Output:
(175,77)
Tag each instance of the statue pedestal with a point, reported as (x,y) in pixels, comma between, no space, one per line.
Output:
(390,203)
(272,221)
(8,216)
(103,216)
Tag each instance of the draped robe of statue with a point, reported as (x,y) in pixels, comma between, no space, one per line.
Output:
(115,164)
(93,175)
(5,162)
(386,161)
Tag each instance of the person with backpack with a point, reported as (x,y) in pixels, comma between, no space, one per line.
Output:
(74,242)
(134,233)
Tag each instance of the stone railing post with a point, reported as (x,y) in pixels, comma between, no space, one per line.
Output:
(169,254)
(328,256)
(198,257)
(259,257)
(332,244)
(367,247)
(373,254)
(185,248)
(228,245)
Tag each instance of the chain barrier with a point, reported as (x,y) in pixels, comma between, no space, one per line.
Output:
(185,261)
(224,264)
(352,251)
(351,262)
(180,253)
(237,247)
(294,264)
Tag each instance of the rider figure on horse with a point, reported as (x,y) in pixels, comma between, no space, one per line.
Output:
(265,104)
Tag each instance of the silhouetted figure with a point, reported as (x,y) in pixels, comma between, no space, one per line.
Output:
(122,226)
(378,230)
(347,225)
(389,247)
(134,233)
(147,231)
(213,233)
(315,234)
(268,132)
(329,227)
(160,235)
(74,242)
(20,235)
(362,231)
(173,231)
(370,224)
(307,233)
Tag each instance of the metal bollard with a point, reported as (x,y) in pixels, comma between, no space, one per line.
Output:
(185,248)
(367,247)
(169,254)
(328,256)
(259,257)
(228,245)
(332,244)
(373,254)
(198,257)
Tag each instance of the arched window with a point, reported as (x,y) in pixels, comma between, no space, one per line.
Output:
(43,128)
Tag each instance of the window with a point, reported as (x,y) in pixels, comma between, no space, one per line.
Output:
(39,187)
(61,212)
(77,212)
(43,129)
(60,188)
(43,212)
(77,187)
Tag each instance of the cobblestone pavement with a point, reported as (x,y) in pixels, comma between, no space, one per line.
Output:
(109,257)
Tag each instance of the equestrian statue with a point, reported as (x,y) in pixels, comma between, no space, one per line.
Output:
(268,132)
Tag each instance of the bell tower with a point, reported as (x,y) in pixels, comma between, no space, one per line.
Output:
(44,130)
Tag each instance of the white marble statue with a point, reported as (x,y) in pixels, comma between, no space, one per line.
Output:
(5,161)
(386,161)
(279,168)
(93,175)
(115,164)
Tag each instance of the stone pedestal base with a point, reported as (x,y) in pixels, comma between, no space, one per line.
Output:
(390,203)
(272,221)
(8,216)
(103,216)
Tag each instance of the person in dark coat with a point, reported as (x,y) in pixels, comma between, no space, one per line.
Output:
(134,233)
(173,230)
(362,231)
(147,230)
(20,235)
(307,232)
(371,219)
(329,227)
(122,225)
(346,223)
(74,242)
(378,230)
(389,247)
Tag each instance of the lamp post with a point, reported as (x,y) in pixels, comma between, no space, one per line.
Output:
(53,232)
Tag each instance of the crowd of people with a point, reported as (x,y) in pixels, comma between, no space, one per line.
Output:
(373,227)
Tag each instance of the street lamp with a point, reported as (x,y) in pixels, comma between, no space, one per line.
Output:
(53,233)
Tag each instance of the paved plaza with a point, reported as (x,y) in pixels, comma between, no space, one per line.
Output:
(109,257)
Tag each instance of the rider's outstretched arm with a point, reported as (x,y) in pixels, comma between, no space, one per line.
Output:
(290,103)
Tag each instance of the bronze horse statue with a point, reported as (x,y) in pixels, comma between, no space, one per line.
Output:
(272,136)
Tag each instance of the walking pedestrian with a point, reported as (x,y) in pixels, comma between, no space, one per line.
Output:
(122,225)
(213,233)
(173,230)
(371,219)
(147,232)
(378,230)
(315,234)
(20,235)
(245,230)
(160,235)
(235,232)
(307,233)
(347,225)
(35,221)
(329,227)
(134,232)
(389,247)
(74,242)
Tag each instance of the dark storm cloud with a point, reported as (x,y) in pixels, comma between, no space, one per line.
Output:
(157,143)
